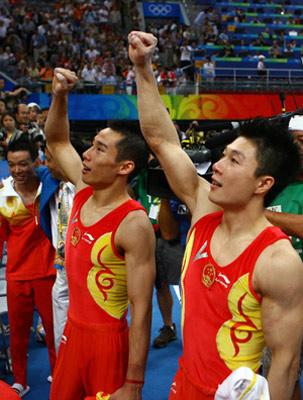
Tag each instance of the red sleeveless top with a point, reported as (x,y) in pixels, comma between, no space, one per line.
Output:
(221,316)
(96,271)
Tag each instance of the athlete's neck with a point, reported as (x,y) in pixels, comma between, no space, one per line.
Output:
(108,198)
(244,220)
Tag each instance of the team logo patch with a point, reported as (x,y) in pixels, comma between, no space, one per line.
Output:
(76,235)
(208,275)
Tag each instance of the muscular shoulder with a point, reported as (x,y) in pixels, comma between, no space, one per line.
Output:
(135,229)
(279,271)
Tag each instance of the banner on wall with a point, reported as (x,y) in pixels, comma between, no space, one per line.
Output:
(206,106)
(161,10)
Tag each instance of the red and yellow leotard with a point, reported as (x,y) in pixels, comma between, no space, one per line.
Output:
(221,316)
(96,271)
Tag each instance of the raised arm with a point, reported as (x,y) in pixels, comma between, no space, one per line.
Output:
(136,237)
(57,128)
(281,282)
(291,224)
(159,130)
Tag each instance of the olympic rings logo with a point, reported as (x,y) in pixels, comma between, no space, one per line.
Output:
(160,9)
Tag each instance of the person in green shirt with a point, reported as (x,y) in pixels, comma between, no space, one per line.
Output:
(286,211)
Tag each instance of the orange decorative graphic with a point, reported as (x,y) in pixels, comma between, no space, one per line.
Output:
(208,275)
(241,338)
(228,105)
(106,280)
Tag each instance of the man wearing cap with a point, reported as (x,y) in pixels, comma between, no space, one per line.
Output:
(34,110)
(286,210)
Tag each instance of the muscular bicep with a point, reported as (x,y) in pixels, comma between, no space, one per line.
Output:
(182,177)
(283,301)
(136,238)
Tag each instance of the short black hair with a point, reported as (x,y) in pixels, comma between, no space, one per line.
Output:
(277,154)
(132,145)
(23,143)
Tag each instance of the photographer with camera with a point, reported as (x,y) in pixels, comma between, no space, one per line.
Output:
(194,137)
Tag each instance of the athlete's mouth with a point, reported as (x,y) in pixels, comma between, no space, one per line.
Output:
(214,182)
(85,168)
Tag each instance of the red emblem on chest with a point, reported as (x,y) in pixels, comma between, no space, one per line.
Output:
(76,235)
(208,275)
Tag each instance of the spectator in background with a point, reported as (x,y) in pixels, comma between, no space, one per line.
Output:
(286,212)
(8,129)
(186,62)
(275,50)
(208,70)
(173,222)
(3,107)
(60,207)
(22,116)
(89,73)
(46,72)
(261,68)
(172,81)
(34,110)
(130,80)
(108,79)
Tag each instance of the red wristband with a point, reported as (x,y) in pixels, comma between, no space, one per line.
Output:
(134,381)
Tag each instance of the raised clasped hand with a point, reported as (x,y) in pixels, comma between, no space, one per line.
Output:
(141,47)
(63,81)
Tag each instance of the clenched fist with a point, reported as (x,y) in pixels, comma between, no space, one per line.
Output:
(63,81)
(141,47)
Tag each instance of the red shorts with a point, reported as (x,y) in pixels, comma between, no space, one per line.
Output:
(91,358)
(183,389)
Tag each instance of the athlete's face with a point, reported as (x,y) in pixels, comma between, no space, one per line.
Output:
(100,165)
(21,166)
(234,182)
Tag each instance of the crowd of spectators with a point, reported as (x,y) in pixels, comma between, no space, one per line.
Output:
(90,38)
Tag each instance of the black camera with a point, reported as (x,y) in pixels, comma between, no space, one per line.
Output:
(35,133)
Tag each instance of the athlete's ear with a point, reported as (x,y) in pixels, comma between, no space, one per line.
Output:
(264,184)
(126,167)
